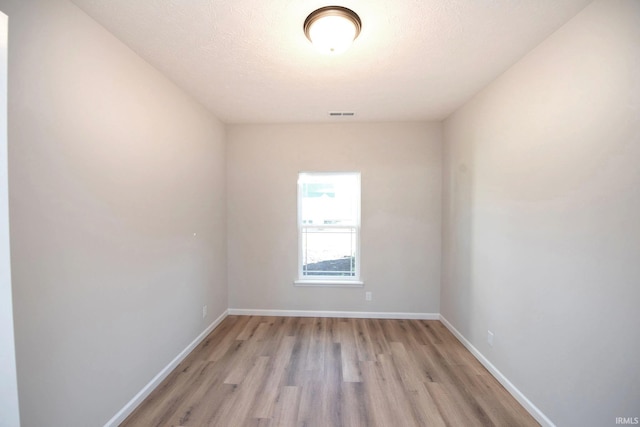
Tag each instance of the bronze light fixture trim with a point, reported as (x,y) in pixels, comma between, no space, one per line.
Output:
(332,29)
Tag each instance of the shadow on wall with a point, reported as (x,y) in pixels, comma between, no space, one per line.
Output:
(459,268)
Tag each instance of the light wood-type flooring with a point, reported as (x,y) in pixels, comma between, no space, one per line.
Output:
(295,371)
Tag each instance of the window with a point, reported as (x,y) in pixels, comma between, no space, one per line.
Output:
(329,228)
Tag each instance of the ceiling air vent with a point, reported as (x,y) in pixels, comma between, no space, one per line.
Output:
(341,113)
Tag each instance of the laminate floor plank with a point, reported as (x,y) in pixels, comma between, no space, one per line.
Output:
(310,410)
(236,407)
(425,408)
(284,372)
(218,342)
(364,344)
(296,372)
(408,370)
(354,412)
(278,329)
(397,394)
(484,388)
(376,396)
(286,407)
(453,409)
(317,341)
(266,402)
(245,354)
(162,402)
(333,402)
(350,366)
(207,395)
(333,331)
(250,328)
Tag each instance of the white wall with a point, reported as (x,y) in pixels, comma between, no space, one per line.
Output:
(112,170)
(542,219)
(8,381)
(400,165)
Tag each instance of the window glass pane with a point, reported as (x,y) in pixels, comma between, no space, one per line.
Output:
(328,251)
(329,199)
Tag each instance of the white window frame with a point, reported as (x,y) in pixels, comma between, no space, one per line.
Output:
(328,281)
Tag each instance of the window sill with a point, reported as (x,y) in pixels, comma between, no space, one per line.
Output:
(330,283)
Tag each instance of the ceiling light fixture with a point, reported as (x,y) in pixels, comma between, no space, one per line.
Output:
(332,29)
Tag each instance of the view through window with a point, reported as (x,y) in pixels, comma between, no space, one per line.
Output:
(329,225)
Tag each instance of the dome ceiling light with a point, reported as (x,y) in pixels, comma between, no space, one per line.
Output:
(332,29)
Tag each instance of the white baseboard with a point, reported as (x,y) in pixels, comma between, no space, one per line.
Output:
(517,394)
(147,389)
(350,314)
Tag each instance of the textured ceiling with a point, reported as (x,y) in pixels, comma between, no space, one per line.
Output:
(248,61)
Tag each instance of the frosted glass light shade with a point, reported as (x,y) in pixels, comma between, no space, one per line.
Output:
(332,29)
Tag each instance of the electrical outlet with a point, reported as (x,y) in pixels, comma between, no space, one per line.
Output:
(204,311)
(368,296)
(490,338)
